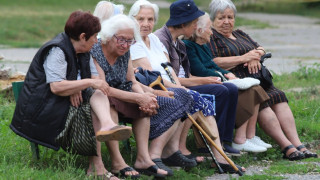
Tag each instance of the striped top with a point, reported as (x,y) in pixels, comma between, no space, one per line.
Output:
(219,45)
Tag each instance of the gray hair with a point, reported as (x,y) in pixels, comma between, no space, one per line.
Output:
(219,6)
(105,9)
(116,23)
(135,8)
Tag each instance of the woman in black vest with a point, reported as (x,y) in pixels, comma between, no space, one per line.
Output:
(62,104)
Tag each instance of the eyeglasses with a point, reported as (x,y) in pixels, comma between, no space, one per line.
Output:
(122,41)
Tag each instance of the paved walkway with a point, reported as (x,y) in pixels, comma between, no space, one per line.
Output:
(294,40)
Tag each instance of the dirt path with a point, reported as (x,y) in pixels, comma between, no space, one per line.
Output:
(293,41)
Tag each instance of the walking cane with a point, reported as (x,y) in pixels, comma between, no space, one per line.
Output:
(201,131)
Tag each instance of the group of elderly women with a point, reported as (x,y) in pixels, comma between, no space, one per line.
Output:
(79,86)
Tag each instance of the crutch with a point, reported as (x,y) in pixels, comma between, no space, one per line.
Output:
(165,66)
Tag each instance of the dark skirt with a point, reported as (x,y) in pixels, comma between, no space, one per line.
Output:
(169,111)
(276,95)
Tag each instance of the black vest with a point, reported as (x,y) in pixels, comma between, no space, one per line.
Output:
(40,115)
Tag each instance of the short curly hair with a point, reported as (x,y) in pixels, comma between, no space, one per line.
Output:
(82,22)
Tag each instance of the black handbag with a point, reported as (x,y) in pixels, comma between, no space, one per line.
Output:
(264,74)
(146,77)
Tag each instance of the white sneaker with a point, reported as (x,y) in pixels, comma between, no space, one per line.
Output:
(249,147)
(257,141)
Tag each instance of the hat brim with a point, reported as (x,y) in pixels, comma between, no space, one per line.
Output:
(185,19)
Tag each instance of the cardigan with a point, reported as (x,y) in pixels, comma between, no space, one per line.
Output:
(200,58)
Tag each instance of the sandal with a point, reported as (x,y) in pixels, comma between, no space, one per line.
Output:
(307,153)
(191,156)
(178,159)
(122,173)
(151,171)
(296,155)
(160,164)
(227,168)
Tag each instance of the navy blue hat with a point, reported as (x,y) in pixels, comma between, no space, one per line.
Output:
(183,11)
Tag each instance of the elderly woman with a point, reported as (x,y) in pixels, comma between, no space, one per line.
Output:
(201,64)
(236,51)
(105,9)
(114,65)
(226,95)
(60,105)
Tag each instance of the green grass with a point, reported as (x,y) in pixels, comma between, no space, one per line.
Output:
(16,160)
(31,23)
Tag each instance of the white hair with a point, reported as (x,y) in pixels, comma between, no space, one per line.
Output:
(219,6)
(135,8)
(105,9)
(116,23)
(202,22)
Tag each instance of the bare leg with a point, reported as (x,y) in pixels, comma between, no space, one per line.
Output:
(157,144)
(184,134)
(240,135)
(173,144)
(117,161)
(286,120)
(268,121)
(252,122)
(141,129)
(96,166)
(101,107)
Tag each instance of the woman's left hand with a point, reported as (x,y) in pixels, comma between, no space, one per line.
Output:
(253,67)
(76,99)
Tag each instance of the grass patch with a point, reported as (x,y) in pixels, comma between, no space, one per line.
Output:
(31,23)
(16,159)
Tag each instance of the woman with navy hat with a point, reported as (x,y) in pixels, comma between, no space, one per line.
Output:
(184,15)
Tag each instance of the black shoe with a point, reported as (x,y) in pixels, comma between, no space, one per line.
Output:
(296,155)
(160,164)
(307,153)
(178,159)
(151,171)
(230,150)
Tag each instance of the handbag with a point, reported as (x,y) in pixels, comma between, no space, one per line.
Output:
(146,77)
(264,74)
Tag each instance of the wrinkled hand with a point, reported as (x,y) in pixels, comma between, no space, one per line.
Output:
(163,93)
(230,76)
(212,80)
(102,85)
(254,67)
(76,99)
(148,103)
(252,55)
